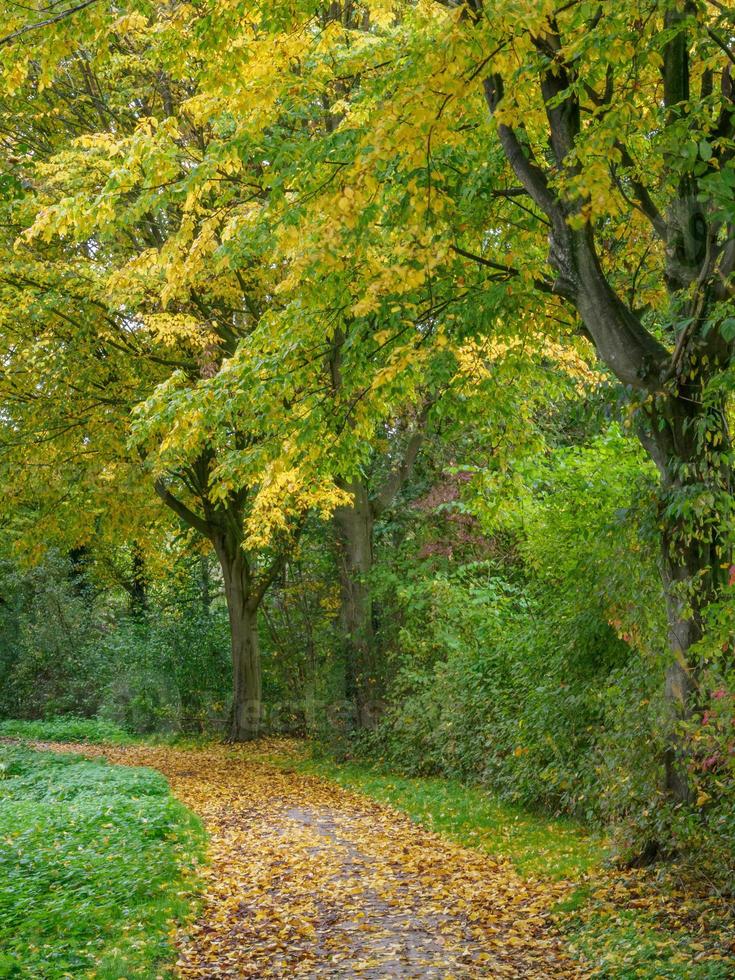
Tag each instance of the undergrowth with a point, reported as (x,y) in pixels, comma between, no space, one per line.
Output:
(66,729)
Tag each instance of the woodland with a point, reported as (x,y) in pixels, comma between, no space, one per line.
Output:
(367,379)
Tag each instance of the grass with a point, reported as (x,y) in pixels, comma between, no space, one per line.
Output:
(70,728)
(96,867)
(67,729)
(629,944)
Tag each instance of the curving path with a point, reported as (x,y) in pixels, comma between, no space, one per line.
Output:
(308,880)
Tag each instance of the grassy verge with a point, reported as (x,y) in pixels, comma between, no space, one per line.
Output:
(76,730)
(66,729)
(96,867)
(651,924)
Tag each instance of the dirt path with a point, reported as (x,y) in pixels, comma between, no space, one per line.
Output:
(308,880)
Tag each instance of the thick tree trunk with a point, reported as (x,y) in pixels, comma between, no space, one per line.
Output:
(684,629)
(691,555)
(247,704)
(355,531)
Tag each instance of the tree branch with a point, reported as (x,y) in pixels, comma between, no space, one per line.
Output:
(621,340)
(400,474)
(266,580)
(561,104)
(181,510)
(544,285)
(721,44)
(523,165)
(644,200)
(9,38)
(676,59)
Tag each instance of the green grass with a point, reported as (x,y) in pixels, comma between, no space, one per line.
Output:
(628,944)
(66,729)
(70,728)
(96,866)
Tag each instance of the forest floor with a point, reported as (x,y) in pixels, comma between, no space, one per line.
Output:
(320,869)
(308,879)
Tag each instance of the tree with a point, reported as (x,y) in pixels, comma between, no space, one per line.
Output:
(599,192)
(355,524)
(671,361)
(128,303)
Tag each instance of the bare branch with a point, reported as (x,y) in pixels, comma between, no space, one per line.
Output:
(181,510)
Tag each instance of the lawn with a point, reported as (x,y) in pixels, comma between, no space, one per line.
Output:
(97,867)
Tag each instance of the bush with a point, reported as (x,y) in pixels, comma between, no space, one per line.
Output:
(68,646)
(50,635)
(497,690)
(169,672)
(540,676)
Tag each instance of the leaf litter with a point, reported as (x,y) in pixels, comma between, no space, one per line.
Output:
(307,879)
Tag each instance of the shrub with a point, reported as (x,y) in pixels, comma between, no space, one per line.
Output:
(66,729)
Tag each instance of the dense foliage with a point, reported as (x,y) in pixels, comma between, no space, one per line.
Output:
(71,645)
(391,346)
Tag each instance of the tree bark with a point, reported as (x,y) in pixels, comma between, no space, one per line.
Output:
(205,584)
(355,525)
(138,584)
(355,533)
(690,555)
(247,697)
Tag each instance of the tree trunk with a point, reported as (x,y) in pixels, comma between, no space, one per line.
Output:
(691,554)
(205,584)
(247,703)
(355,528)
(138,585)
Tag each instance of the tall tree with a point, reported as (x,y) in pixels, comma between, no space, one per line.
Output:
(130,302)
(597,191)
(370,494)
(670,362)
